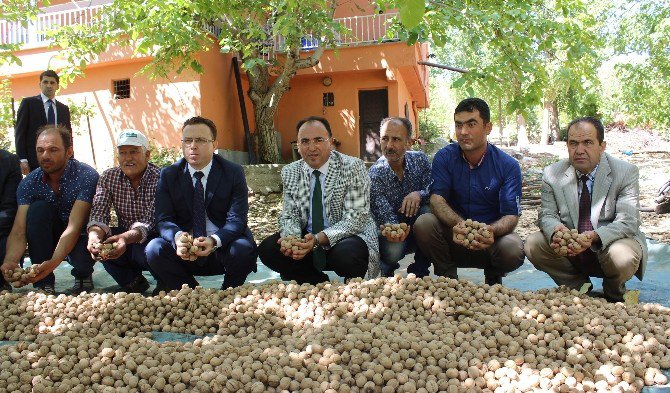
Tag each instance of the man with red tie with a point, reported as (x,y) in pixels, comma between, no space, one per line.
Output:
(35,112)
(598,195)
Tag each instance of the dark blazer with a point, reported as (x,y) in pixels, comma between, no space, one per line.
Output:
(10,177)
(29,118)
(226,201)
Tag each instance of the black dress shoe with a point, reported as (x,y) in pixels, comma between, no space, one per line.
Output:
(138,285)
(493,280)
(159,287)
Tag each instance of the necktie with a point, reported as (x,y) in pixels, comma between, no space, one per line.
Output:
(584,223)
(319,258)
(199,225)
(51,114)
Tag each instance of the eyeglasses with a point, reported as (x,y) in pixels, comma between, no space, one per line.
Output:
(197,141)
(316,141)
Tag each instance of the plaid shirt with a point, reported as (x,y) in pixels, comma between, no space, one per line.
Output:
(387,191)
(134,208)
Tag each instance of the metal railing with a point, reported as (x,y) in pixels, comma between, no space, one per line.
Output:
(363,30)
(34,32)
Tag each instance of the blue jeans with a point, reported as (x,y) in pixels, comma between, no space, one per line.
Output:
(390,253)
(43,231)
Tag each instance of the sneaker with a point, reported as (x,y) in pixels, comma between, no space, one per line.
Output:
(493,280)
(48,289)
(138,285)
(82,285)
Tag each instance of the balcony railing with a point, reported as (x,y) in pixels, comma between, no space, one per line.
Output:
(33,34)
(363,30)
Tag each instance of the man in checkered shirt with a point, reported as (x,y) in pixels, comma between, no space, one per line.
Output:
(130,188)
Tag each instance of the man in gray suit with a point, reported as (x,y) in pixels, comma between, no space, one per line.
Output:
(326,200)
(599,195)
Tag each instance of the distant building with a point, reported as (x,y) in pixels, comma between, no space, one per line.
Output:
(370,77)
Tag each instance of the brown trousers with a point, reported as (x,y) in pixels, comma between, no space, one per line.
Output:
(616,264)
(436,241)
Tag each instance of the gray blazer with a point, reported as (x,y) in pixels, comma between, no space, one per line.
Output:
(615,202)
(347,203)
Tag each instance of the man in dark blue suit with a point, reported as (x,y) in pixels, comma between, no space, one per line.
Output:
(33,113)
(10,177)
(206,196)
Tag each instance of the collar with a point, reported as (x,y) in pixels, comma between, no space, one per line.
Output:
(68,169)
(45,98)
(480,160)
(591,176)
(204,170)
(323,169)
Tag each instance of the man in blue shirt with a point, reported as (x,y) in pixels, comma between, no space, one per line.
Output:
(399,187)
(10,176)
(473,180)
(54,202)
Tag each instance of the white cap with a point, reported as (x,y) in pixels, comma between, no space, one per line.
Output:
(132,138)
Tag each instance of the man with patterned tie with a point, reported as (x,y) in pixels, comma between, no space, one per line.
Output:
(33,113)
(205,195)
(598,195)
(327,202)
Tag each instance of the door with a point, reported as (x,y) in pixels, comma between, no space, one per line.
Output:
(373,106)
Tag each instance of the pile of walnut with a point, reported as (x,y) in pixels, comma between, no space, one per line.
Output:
(17,276)
(105,248)
(394,231)
(472,227)
(189,249)
(386,335)
(563,241)
(291,243)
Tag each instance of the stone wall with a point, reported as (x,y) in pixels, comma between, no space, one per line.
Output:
(263,179)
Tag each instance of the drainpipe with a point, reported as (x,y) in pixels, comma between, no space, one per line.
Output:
(243,108)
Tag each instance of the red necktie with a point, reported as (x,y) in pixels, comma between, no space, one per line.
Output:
(584,223)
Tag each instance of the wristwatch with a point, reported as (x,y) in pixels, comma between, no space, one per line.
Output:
(215,246)
(317,245)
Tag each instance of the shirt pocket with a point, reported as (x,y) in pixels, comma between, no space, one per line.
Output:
(491,190)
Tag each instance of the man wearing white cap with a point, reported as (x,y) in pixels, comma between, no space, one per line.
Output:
(130,188)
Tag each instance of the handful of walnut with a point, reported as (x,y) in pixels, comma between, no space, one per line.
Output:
(291,243)
(471,228)
(563,241)
(105,248)
(394,231)
(190,249)
(17,276)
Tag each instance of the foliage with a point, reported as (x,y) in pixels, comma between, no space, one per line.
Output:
(6,115)
(173,34)
(78,113)
(515,49)
(163,156)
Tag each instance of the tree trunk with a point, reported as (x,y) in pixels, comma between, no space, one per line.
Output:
(550,122)
(268,149)
(521,131)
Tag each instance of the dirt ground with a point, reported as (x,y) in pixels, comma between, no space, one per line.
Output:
(649,152)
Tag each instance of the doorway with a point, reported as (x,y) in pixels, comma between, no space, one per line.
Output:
(372,107)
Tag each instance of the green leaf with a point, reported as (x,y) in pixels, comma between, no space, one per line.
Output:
(411,12)
(585,288)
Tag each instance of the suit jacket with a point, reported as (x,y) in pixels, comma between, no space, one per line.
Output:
(615,202)
(29,118)
(10,177)
(347,203)
(226,201)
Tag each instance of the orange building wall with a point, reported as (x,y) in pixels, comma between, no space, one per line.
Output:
(306,98)
(156,108)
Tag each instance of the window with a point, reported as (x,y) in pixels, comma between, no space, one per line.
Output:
(121,89)
(328,99)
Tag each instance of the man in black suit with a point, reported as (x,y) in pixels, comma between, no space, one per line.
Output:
(10,177)
(33,113)
(206,196)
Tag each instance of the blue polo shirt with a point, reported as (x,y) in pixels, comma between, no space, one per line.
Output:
(484,193)
(77,183)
